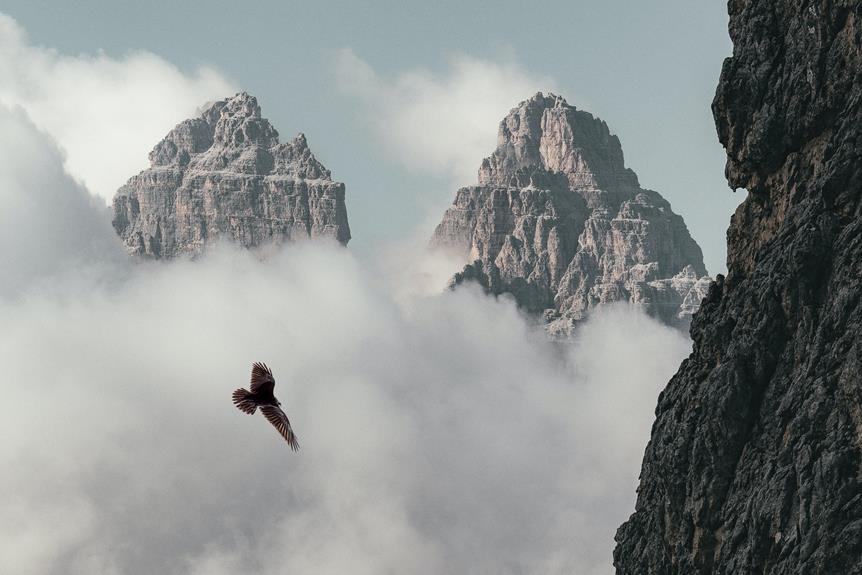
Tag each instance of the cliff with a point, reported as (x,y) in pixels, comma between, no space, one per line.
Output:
(224,174)
(559,222)
(755,460)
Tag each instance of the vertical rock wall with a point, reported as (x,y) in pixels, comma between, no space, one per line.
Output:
(755,459)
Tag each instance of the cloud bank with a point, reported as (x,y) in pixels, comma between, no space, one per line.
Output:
(48,223)
(439,123)
(440,432)
(105,113)
(439,437)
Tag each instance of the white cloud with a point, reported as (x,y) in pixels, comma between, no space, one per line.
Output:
(442,124)
(105,113)
(440,432)
(48,223)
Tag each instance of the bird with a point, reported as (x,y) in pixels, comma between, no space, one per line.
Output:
(261,396)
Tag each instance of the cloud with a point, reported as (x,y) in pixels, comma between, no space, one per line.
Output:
(441,432)
(439,124)
(48,223)
(105,113)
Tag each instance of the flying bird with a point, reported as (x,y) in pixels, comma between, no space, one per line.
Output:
(261,396)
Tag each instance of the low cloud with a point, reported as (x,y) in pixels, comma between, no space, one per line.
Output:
(439,123)
(106,113)
(49,224)
(441,432)
(439,435)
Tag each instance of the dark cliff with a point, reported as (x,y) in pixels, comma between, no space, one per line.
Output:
(755,459)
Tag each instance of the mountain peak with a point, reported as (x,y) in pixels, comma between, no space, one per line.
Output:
(559,222)
(545,133)
(240,123)
(225,174)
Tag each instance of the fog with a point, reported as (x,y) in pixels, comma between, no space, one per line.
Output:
(442,436)
(439,124)
(441,431)
(105,113)
(48,223)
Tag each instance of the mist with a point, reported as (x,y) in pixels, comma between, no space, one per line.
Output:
(104,113)
(438,124)
(439,435)
(441,432)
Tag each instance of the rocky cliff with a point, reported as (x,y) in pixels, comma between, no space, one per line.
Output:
(559,222)
(224,174)
(755,459)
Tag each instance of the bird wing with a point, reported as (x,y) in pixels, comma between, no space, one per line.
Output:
(261,378)
(276,416)
(243,402)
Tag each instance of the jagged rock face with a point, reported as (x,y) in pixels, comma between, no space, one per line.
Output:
(755,459)
(558,221)
(225,175)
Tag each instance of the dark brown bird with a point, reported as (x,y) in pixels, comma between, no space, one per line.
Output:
(262,384)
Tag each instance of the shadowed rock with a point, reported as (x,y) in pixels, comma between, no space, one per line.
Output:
(755,459)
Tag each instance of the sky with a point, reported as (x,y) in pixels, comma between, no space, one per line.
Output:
(401,100)
(441,431)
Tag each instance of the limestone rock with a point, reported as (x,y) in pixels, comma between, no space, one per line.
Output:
(755,459)
(559,222)
(224,174)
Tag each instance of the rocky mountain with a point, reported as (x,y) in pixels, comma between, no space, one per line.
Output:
(559,222)
(224,174)
(755,459)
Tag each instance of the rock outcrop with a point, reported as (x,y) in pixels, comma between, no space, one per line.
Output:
(224,174)
(755,459)
(559,222)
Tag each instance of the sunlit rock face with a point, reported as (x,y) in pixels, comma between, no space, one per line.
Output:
(755,459)
(224,174)
(559,222)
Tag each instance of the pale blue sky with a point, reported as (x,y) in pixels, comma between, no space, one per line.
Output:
(649,69)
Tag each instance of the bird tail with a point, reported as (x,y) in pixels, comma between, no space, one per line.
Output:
(243,401)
